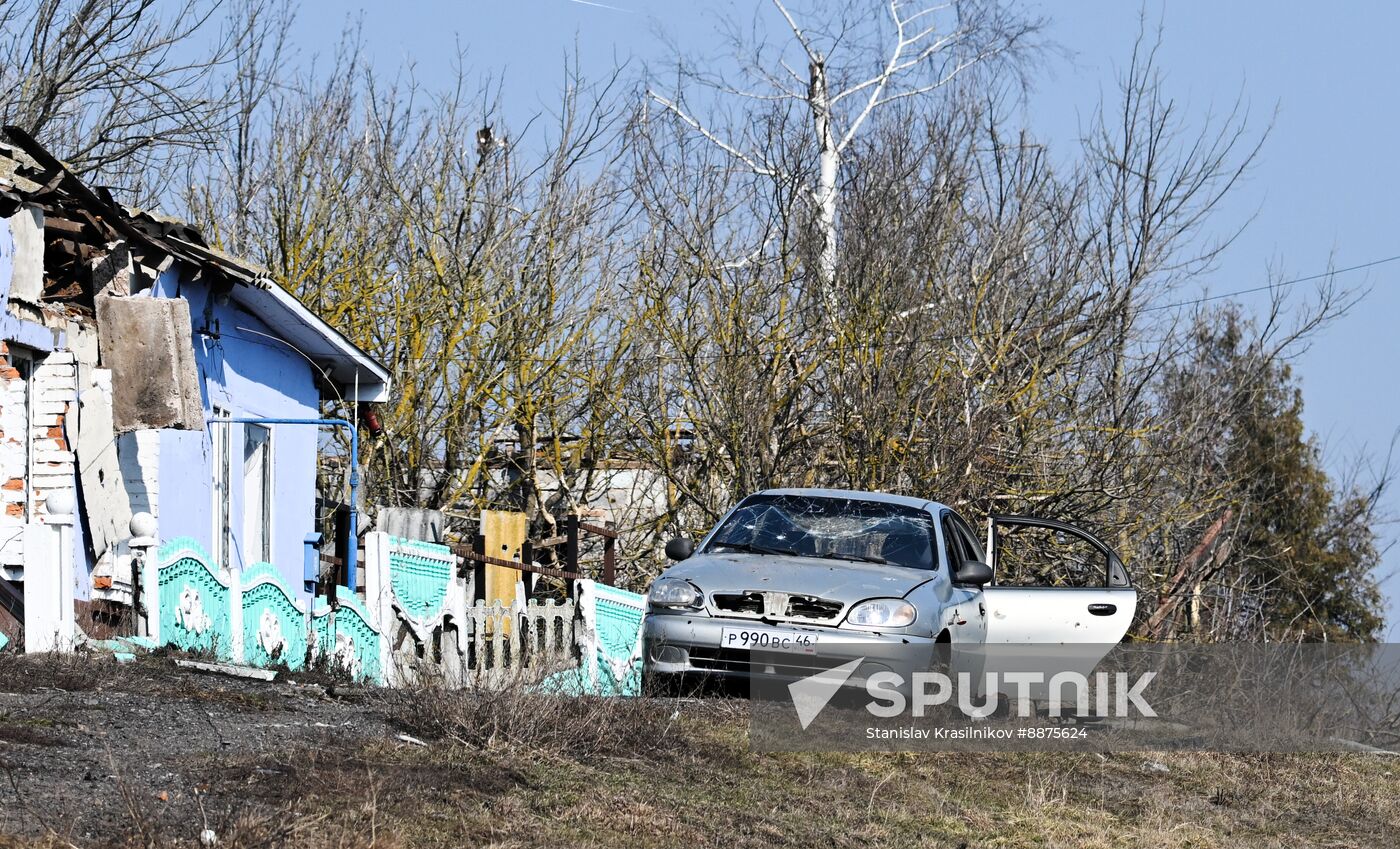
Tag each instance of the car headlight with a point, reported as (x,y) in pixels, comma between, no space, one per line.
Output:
(882,613)
(673,592)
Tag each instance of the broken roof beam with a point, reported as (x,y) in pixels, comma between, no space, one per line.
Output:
(90,200)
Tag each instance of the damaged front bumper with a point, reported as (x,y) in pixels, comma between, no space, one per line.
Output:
(685,646)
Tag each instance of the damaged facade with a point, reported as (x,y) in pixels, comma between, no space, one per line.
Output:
(124,334)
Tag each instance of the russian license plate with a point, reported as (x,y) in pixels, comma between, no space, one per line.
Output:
(768,639)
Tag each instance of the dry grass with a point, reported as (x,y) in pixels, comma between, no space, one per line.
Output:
(22,673)
(517,768)
(516,719)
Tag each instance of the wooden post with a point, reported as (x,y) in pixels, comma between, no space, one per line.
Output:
(609,560)
(478,569)
(527,555)
(571,548)
(504,532)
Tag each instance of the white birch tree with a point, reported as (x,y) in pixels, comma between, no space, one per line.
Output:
(855,68)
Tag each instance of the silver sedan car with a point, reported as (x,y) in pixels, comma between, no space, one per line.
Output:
(794,581)
(791,582)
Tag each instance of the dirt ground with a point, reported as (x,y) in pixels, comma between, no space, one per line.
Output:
(93,750)
(148,754)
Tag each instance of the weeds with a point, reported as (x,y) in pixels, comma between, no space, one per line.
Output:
(514,717)
(71,672)
(520,767)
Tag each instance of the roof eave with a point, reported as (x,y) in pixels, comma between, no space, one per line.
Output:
(355,376)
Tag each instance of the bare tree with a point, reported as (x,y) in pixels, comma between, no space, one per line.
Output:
(920,48)
(119,88)
(994,326)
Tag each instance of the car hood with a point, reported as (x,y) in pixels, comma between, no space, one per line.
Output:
(838,580)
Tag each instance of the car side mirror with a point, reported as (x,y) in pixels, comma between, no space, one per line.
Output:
(974,573)
(679,548)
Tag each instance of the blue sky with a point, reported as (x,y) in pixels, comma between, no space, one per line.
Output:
(1324,190)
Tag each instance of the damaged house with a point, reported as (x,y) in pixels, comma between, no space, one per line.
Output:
(124,339)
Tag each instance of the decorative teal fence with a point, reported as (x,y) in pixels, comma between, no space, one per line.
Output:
(417,620)
(252,617)
(610,661)
(194,601)
(616,656)
(274,622)
(346,634)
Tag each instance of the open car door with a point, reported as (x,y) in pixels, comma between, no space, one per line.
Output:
(1058,602)
(1054,583)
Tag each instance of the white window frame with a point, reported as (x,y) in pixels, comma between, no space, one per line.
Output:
(221,455)
(264,553)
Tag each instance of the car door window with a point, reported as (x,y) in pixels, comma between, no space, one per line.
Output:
(952,545)
(1029,556)
(971,547)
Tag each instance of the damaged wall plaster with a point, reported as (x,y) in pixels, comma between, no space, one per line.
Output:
(105,499)
(147,344)
(27,274)
(14,460)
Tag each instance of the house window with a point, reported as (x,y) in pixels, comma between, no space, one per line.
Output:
(257,493)
(219,437)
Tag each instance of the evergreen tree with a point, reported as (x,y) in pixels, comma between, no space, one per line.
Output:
(1302,554)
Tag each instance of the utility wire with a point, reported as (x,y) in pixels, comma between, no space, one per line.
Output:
(1267,287)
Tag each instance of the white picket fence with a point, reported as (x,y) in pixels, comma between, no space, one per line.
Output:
(438,632)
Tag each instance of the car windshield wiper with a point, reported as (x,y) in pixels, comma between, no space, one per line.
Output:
(759,549)
(863,558)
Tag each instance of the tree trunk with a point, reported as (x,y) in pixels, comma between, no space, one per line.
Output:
(828,164)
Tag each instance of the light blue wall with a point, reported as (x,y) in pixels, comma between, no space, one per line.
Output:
(250,376)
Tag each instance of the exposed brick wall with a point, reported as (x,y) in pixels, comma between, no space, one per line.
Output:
(14,417)
(32,440)
(54,389)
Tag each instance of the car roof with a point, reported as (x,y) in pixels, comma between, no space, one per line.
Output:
(856,495)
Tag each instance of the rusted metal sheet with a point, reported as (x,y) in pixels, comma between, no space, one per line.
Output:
(505,535)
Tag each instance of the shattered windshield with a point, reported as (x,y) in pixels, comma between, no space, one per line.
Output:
(841,528)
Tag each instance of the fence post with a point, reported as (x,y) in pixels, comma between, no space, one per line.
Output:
(49,621)
(145,571)
(42,591)
(571,548)
(478,569)
(235,613)
(527,557)
(461,591)
(522,602)
(609,560)
(379,600)
(149,572)
(586,634)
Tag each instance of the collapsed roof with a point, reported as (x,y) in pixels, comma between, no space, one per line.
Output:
(83,224)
